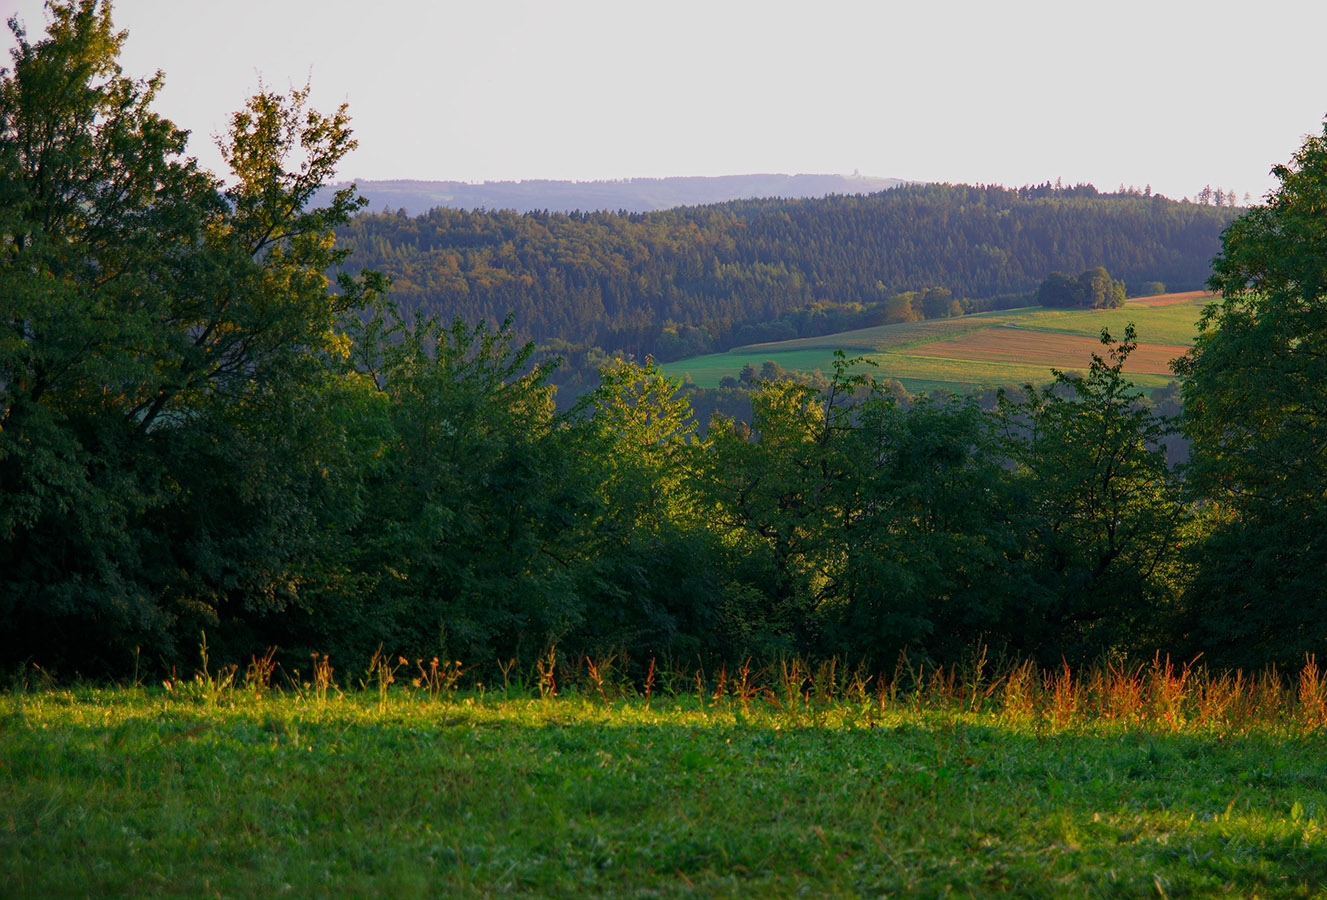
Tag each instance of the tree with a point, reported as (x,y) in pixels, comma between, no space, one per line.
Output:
(1101,510)
(1099,290)
(939,303)
(153,325)
(649,559)
(1255,397)
(859,526)
(925,547)
(1093,289)
(467,510)
(1059,290)
(768,487)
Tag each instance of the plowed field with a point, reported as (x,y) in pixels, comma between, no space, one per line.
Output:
(1013,344)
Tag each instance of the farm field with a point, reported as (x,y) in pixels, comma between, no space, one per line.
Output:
(987,350)
(1152,782)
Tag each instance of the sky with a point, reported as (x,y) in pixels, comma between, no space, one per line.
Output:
(1175,94)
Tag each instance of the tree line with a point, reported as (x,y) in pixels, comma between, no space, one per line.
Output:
(199,432)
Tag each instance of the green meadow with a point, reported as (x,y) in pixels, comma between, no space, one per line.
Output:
(1144,781)
(991,349)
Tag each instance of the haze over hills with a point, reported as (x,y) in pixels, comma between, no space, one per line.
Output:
(630,194)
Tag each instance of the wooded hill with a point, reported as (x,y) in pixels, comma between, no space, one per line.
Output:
(686,281)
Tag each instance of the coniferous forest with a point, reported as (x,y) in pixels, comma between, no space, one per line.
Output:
(203,431)
(694,280)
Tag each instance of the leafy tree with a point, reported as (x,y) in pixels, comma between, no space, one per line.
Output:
(154,326)
(463,537)
(651,566)
(939,303)
(1093,289)
(1059,290)
(1102,512)
(1099,290)
(925,549)
(96,220)
(777,489)
(1255,397)
(861,527)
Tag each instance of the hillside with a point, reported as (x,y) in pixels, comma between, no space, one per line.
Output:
(701,279)
(985,350)
(629,194)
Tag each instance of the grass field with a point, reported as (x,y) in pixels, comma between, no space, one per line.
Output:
(1143,782)
(991,349)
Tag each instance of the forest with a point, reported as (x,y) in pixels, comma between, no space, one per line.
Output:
(202,432)
(693,280)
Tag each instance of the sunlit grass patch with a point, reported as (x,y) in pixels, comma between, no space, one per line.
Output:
(1122,781)
(989,349)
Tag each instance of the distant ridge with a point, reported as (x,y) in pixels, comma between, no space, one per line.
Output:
(702,278)
(630,194)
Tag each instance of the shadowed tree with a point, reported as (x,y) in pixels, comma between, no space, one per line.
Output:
(155,327)
(1255,399)
(1100,509)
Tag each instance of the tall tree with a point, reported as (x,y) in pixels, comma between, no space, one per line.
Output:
(146,311)
(649,558)
(1101,510)
(862,527)
(462,536)
(1255,397)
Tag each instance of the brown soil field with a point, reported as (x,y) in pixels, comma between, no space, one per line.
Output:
(1171,299)
(1023,346)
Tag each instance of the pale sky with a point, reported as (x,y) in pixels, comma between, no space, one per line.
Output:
(1172,93)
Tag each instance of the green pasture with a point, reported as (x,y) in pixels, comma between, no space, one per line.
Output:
(202,791)
(900,351)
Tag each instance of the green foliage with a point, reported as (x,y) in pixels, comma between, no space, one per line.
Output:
(1254,408)
(1094,289)
(96,222)
(155,328)
(1100,291)
(198,430)
(869,527)
(1100,509)
(464,509)
(775,489)
(650,572)
(925,548)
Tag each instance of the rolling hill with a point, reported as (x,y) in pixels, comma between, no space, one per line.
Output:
(985,350)
(700,279)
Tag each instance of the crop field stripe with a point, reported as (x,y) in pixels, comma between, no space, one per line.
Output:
(1025,346)
(1172,299)
(957,353)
